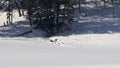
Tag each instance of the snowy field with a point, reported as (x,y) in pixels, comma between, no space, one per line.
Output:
(41,54)
(93,42)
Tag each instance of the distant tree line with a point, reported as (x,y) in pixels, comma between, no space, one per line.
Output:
(52,16)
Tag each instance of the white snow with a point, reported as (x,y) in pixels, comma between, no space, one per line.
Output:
(94,42)
(24,53)
(35,54)
(3,17)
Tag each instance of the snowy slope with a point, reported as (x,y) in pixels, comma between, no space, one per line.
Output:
(34,54)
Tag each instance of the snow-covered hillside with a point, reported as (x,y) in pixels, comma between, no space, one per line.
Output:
(41,54)
(93,42)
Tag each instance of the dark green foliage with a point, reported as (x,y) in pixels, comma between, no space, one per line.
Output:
(50,15)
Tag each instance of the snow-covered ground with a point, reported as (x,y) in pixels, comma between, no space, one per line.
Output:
(16,53)
(93,42)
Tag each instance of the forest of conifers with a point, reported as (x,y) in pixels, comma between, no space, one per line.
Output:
(52,16)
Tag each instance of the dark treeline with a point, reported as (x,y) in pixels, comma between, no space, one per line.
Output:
(52,16)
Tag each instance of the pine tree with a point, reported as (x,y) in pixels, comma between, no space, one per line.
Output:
(50,15)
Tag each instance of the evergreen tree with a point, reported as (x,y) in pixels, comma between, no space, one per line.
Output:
(50,15)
